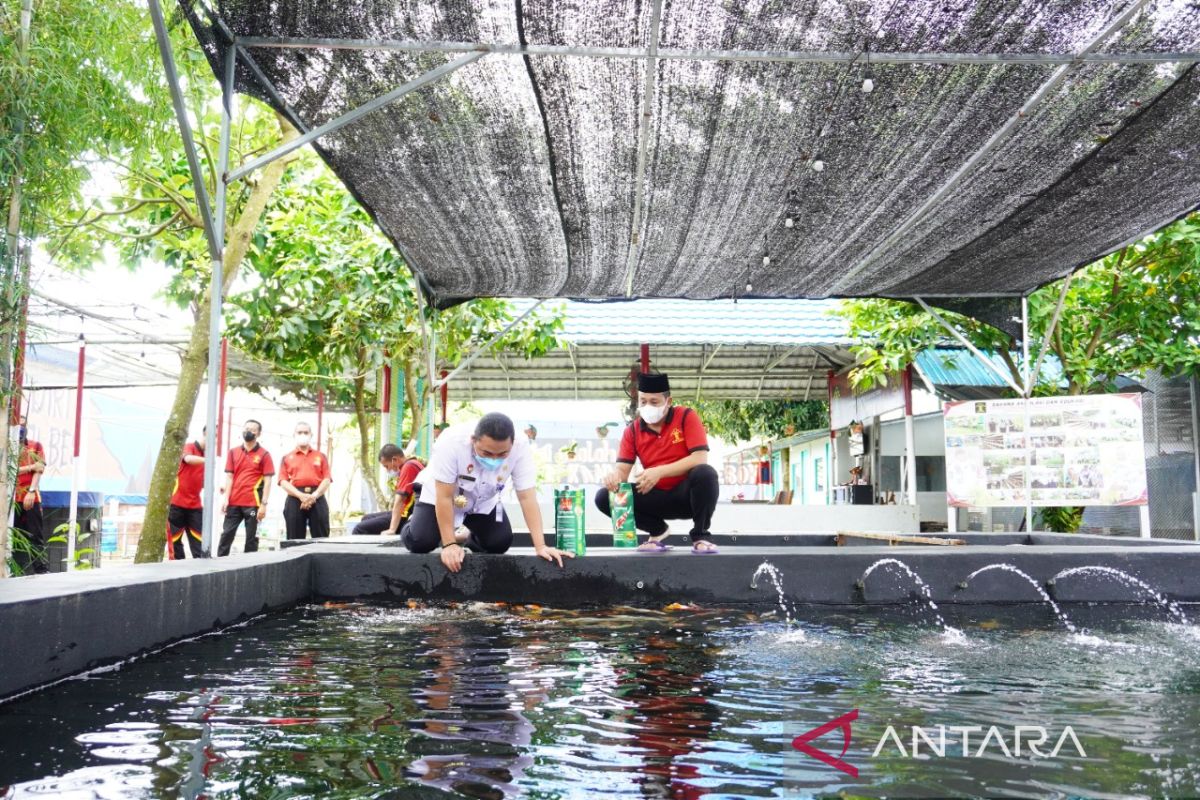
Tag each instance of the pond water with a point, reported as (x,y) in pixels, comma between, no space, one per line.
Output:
(491,701)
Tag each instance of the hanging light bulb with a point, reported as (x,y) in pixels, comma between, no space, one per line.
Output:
(766,261)
(749,286)
(868,85)
(789,223)
(818,165)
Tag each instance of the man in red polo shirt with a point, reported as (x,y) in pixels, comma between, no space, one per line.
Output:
(185,515)
(304,475)
(27,503)
(401,472)
(247,469)
(676,481)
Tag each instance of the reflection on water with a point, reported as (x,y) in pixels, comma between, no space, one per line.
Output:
(490,701)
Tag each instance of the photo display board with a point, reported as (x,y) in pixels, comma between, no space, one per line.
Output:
(1046,451)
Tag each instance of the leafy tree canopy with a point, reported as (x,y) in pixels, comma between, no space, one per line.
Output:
(1134,310)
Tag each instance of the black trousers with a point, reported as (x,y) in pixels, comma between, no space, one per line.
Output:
(315,519)
(234,516)
(373,524)
(421,535)
(184,523)
(694,498)
(35,532)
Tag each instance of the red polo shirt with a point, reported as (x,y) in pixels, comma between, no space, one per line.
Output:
(249,470)
(404,482)
(682,434)
(189,480)
(31,453)
(304,468)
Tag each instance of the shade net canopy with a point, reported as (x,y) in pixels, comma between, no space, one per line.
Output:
(517,175)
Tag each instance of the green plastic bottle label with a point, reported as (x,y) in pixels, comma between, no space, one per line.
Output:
(621,505)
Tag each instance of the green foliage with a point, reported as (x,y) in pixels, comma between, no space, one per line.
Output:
(92,83)
(19,545)
(744,420)
(82,554)
(1061,519)
(1134,310)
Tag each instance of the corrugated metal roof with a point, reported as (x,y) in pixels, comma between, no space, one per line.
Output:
(693,322)
(957,366)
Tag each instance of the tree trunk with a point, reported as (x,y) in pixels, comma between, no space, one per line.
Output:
(195,361)
(370,474)
(12,317)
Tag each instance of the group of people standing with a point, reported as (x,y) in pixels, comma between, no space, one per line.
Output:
(303,475)
(453,502)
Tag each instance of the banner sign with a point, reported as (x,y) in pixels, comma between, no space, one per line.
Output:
(1046,451)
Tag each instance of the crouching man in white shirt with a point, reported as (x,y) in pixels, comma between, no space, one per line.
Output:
(461,486)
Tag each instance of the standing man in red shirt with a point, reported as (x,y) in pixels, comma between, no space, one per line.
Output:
(247,469)
(185,517)
(304,475)
(27,504)
(676,481)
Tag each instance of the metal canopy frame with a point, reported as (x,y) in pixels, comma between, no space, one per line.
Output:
(677,54)
(652,54)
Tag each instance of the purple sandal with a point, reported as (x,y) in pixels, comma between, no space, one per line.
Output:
(652,547)
(711,550)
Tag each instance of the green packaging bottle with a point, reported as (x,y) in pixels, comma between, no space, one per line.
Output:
(621,505)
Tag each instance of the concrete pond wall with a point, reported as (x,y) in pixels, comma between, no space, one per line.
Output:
(55,626)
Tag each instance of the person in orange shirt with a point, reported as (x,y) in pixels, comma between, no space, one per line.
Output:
(247,469)
(304,475)
(185,517)
(27,504)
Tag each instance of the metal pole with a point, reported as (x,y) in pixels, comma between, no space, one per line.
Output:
(987,362)
(485,348)
(221,399)
(910,439)
(1026,382)
(351,116)
(76,463)
(217,346)
(639,181)
(645,357)
(320,418)
(685,54)
(1195,415)
(1037,366)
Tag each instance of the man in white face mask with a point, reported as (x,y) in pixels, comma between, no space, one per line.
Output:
(676,481)
(304,476)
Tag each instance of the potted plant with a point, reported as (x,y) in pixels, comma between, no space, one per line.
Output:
(570,449)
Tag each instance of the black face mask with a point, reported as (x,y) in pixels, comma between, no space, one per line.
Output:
(249,436)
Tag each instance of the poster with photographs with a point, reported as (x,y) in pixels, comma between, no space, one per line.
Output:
(1061,451)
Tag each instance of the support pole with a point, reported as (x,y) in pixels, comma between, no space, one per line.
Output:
(987,362)
(910,446)
(77,462)
(216,395)
(321,419)
(639,180)
(445,392)
(351,116)
(221,399)
(645,358)
(1195,415)
(1037,365)
(486,347)
(1027,382)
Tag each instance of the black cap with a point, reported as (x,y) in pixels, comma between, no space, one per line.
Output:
(653,383)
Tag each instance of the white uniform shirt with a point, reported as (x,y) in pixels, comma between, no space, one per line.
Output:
(453,461)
